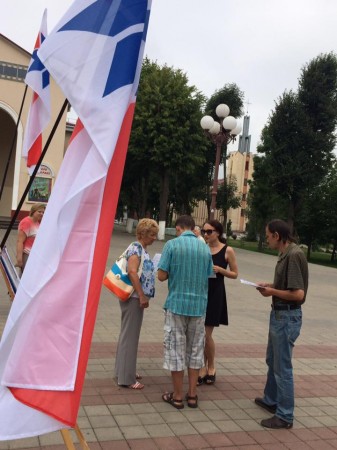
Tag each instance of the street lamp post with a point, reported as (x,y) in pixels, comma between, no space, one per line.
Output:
(222,132)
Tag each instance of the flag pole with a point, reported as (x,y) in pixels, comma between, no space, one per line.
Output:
(30,182)
(13,142)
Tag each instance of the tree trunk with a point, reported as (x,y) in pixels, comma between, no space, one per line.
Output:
(334,250)
(291,215)
(260,243)
(224,223)
(164,189)
(144,196)
(309,250)
(170,215)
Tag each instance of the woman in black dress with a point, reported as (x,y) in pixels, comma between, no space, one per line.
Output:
(224,265)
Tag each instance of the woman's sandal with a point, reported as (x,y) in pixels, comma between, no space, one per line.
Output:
(192,402)
(168,398)
(201,380)
(210,379)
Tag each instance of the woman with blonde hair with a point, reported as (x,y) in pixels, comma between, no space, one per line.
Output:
(27,231)
(133,309)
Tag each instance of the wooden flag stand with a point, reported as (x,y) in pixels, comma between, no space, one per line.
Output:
(69,442)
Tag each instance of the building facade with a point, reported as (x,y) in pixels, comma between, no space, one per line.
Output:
(240,166)
(14,62)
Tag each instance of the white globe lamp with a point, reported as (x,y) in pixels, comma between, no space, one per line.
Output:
(207,122)
(229,123)
(222,110)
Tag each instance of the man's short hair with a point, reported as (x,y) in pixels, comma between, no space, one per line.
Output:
(186,222)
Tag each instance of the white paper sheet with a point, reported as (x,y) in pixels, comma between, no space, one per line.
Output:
(249,283)
(156,260)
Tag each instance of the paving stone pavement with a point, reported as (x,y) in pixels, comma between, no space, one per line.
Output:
(111,417)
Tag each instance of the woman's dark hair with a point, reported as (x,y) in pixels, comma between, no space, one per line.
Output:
(219,229)
(282,228)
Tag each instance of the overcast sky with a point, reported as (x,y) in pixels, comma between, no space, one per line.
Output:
(261,45)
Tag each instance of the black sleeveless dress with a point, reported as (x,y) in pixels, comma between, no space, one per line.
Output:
(216,313)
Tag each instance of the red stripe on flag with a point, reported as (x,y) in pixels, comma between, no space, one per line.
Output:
(35,152)
(64,406)
(38,42)
(78,127)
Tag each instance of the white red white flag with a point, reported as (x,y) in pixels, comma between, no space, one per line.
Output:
(46,341)
(39,114)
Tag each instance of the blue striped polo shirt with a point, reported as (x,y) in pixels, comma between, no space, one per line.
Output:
(188,263)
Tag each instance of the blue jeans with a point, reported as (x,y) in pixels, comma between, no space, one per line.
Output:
(284,329)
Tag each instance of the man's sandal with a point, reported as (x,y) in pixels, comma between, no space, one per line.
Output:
(192,402)
(168,398)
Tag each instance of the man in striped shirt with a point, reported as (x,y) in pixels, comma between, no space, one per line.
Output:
(186,263)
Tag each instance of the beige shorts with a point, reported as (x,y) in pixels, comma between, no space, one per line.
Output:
(184,342)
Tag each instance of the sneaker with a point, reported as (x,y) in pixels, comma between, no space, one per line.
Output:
(262,404)
(276,423)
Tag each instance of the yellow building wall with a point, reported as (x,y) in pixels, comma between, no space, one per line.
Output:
(11,95)
(240,166)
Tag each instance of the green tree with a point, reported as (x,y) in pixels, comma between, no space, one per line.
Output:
(287,151)
(317,223)
(318,95)
(166,140)
(298,139)
(263,202)
(228,197)
(331,202)
(231,95)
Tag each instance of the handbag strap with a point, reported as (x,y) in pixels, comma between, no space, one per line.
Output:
(142,257)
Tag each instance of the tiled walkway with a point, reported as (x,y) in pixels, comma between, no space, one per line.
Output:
(111,417)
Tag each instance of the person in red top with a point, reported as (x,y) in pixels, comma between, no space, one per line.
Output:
(26,233)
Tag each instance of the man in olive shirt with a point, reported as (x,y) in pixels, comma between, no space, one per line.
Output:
(288,292)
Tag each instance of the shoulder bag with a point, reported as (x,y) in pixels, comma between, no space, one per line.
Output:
(117,279)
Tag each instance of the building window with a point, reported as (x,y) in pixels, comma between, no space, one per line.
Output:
(243,212)
(247,165)
(244,197)
(245,182)
(12,71)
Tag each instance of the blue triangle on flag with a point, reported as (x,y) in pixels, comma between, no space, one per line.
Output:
(108,17)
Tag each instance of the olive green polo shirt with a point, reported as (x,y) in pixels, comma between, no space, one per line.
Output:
(291,272)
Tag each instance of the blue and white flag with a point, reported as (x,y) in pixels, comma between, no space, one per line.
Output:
(94,54)
(37,79)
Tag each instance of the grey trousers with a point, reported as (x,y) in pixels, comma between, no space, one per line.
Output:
(127,348)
